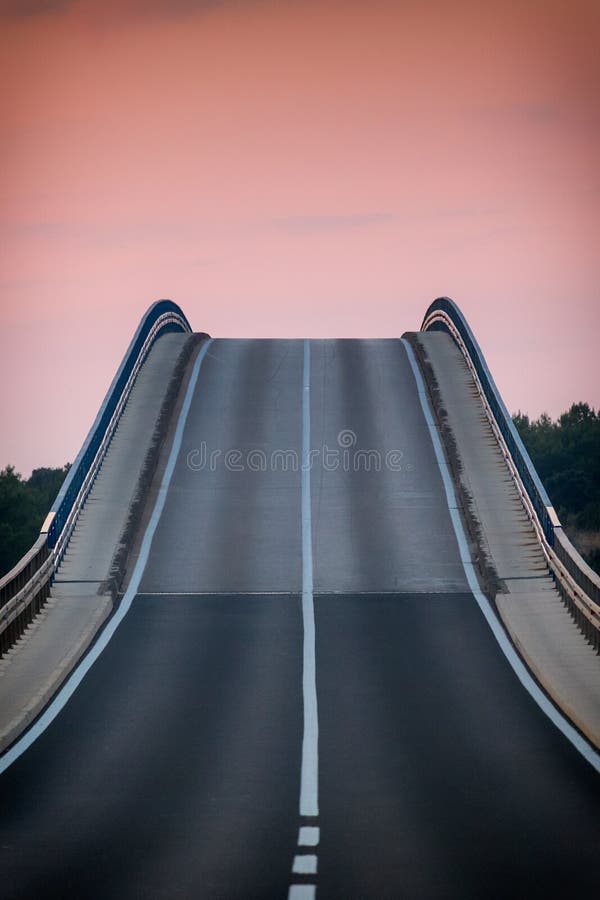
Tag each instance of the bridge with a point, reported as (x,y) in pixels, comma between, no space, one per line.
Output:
(302,622)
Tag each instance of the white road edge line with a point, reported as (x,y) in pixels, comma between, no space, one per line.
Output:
(518,666)
(81,670)
(309,779)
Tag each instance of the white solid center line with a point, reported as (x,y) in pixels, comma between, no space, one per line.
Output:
(309,779)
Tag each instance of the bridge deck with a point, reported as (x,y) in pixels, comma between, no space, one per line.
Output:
(174,770)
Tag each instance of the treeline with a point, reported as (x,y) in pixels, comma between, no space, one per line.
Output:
(24,504)
(566,454)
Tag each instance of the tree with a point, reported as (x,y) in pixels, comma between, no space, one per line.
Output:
(23,508)
(566,454)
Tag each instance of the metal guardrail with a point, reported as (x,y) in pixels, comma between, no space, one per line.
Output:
(26,587)
(577,582)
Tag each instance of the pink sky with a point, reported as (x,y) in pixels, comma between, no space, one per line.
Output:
(293,168)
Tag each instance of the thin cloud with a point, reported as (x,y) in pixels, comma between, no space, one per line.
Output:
(136,230)
(25,9)
(169,9)
(536,113)
(118,9)
(466,212)
(318,223)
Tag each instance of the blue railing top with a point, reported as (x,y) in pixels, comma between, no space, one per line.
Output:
(505,422)
(78,471)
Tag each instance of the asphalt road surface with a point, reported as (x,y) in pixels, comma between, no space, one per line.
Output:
(174,770)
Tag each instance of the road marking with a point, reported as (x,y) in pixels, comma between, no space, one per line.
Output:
(308,836)
(210,594)
(81,670)
(309,775)
(309,780)
(322,595)
(302,892)
(518,666)
(305,865)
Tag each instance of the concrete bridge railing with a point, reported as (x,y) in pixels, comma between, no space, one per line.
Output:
(578,584)
(26,587)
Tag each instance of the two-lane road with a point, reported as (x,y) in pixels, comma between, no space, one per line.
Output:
(174,770)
